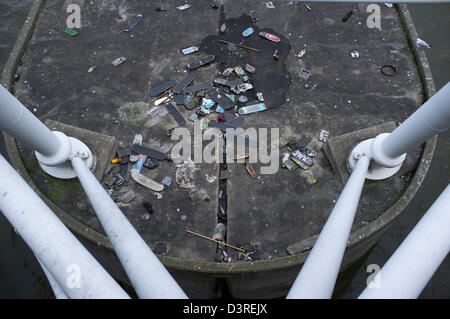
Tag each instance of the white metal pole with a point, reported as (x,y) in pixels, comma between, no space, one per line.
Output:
(19,122)
(407,272)
(318,275)
(57,290)
(147,274)
(73,267)
(430,119)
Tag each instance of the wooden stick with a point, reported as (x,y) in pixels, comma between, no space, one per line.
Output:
(240,45)
(216,241)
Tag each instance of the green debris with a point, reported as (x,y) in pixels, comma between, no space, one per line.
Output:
(71,32)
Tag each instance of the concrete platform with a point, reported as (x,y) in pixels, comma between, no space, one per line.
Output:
(272,212)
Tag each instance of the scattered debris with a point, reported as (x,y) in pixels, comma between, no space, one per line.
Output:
(250,68)
(201,62)
(248,32)
(269,5)
(422,43)
(270,37)
(185,175)
(216,241)
(354,54)
(324,135)
(133,23)
(304,74)
(301,53)
(310,180)
(92,68)
(388,5)
(275,55)
(223,28)
(189,50)
(119,61)
(308,7)
(260,96)
(347,16)
(184,7)
(161,9)
(260,107)
(71,32)
(138,139)
(240,46)
(167,181)
(251,171)
(255,15)
(162,88)
(388,70)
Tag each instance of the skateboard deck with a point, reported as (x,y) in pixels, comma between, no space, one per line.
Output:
(196,88)
(142,150)
(252,109)
(175,114)
(201,62)
(133,23)
(184,83)
(162,88)
(146,182)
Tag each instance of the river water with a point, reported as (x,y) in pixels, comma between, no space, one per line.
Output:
(22,277)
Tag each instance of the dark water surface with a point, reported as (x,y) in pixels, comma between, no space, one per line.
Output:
(22,277)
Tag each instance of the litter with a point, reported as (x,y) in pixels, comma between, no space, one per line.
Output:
(201,62)
(388,5)
(270,37)
(243,99)
(160,9)
(250,68)
(224,175)
(214,6)
(324,136)
(219,233)
(304,74)
(145,217)
(248,32)
(167,181)
(92,68)
(422,43)
(223,28)
(185,175)
(119,61)
(146,182)
(269,5)
(154,112)
(300,163)
(133,23)
(162,88)
(71,32)
(216,241)
(149,152)
(388,70)
(138,139)
(127,197)
(241,88)
(354,54)
(310,180)
(184,7)
(227,72)
(151,163)
(175,114)
(303,158)
(240,46)
(275,55)
(260,96)
(260,107)
(251,171)
(347,16)
(189,50)
(308,7)
(241,73)
(255,15)
(301,53)
(196,88)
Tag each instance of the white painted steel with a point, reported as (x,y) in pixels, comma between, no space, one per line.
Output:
(147,274)
(318,275)
(407,272)
(52,243)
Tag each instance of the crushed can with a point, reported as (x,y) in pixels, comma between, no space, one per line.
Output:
(167,181)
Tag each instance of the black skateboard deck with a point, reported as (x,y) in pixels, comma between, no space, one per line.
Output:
(175,114)
(162,88)
(184,83)
(200,87)
(220,98)
(201,62)
(142,150)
